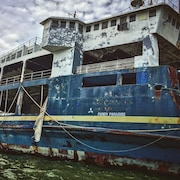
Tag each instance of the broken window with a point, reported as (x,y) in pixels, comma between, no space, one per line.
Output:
(129,78)
(152,13)
(88,28)
(104,80)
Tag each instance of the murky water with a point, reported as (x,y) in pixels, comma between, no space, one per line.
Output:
(16,167)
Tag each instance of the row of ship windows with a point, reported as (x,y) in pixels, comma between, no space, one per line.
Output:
(63,24)
(123,20)
(71,24)
(113,22)
(173,21)
(17,55)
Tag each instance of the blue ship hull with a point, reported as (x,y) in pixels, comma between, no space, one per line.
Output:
(129,126)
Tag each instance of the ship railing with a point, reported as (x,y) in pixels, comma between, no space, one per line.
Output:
(11,80)
(106,66)
(27,77)
(28,47)
(37,75)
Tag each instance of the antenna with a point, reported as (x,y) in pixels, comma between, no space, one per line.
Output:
(137,3)
(74,14)
(150,2)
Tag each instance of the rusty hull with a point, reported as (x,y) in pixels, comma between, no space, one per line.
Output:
(71,149)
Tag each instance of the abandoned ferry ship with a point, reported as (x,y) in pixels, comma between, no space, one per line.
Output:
(105,92)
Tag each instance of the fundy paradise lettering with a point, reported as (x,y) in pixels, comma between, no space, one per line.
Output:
(111,114)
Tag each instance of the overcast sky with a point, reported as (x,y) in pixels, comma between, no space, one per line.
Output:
(20,18)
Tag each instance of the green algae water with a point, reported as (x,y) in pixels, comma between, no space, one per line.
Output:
(26,167)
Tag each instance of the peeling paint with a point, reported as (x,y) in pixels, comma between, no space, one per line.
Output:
(99,159)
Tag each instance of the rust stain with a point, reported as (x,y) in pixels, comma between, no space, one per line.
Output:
(158,93)
(75,155)
(98,159)
(156,120)
(63,151)
(35,149)
(51,152)
(163,168)
(178,121)
(176,98)
(173,76)
(25,147)
(175,83)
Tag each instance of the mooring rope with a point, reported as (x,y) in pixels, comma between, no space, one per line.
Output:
(116,151)
(14,99)
(99,149)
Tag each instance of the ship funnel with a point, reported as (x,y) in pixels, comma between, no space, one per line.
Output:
(137,3)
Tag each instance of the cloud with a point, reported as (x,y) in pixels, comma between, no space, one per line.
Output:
(20,19)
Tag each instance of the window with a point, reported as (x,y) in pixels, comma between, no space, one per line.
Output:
(8,58)
(63,24)
(152,13)
(104,24)
(80,28)
(19,54)
(13,56)
(169,18)
(173,21)
(123,19)
(132,18)
(55,23)
(113,22)
(88,28)
(122,26)
(104,80)
(177,25)
(129,78)
(30,51)
(72,25)
(96,27)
